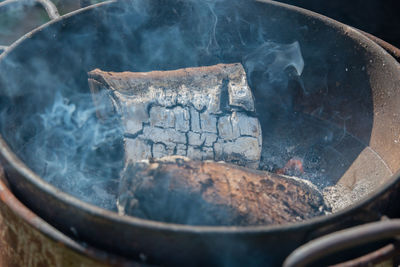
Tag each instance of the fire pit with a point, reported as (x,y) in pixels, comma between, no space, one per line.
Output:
(326,109)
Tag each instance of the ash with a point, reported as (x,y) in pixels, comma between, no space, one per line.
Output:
(323,152)
(358,181)
(340,196)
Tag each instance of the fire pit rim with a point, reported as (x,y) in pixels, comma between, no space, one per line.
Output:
(15,163)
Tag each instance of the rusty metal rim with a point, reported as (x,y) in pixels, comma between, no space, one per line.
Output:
(392,50)
(19,209)
(47,188)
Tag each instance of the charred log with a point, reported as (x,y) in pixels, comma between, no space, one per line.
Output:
(178,190)
(204,113)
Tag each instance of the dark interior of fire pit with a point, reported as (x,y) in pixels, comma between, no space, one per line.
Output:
(320,116)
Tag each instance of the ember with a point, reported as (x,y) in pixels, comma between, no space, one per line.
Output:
(293,166)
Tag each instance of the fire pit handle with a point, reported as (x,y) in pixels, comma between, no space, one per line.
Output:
(347,239)
(48,5)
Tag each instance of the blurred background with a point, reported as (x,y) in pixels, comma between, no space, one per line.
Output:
(378,17)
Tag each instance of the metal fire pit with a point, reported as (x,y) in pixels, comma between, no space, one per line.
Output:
(371,87)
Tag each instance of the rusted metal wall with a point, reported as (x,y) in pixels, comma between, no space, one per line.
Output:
(27,240)
(21,245)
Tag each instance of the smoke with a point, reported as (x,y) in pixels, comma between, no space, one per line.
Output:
(272,59)
(54,126)
(72,150)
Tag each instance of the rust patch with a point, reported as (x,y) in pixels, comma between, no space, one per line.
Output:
(27,240)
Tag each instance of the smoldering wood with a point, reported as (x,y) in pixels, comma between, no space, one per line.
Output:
(179,190)
(204,113)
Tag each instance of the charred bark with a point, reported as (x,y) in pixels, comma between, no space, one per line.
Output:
(178,190)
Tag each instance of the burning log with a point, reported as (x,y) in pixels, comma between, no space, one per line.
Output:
(179,190)
(175,122)
(204,113)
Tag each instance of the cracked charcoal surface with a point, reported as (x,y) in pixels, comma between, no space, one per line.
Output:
(203,113)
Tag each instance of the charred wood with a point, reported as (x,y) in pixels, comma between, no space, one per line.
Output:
(179,190)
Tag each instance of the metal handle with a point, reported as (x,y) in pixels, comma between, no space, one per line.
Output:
(342,240)
(50,8)
(48,5)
